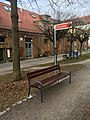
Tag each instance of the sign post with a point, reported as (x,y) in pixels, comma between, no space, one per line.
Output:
(55,46)
(61,26)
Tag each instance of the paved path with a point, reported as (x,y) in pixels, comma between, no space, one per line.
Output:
(7,67)
(61,102)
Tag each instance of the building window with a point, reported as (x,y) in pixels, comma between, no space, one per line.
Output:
(19,20)
(2,39)
(8,53)
(45,41)
(33,15)
(7,8)
(28,39)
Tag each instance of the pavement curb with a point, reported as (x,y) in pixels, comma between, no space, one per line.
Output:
(17,103)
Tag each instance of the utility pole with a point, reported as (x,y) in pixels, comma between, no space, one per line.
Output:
(15,38)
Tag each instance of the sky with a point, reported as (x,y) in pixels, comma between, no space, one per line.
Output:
(79,9)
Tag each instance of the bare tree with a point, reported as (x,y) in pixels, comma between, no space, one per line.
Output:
(47,28)
(15,37)
(69,5)
(82,37)
(81,30)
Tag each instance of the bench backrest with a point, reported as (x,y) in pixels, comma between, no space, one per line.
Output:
(40,72)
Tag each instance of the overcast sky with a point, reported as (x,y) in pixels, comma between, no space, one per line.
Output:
(80,9)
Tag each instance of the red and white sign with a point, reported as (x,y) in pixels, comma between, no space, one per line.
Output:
(62,26)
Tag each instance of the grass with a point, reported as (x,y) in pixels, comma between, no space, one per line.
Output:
(13,91)
(73,60)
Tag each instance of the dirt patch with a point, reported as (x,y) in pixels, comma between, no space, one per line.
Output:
(12,92)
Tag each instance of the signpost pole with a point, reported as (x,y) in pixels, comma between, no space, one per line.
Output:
(55,46)
(61,26)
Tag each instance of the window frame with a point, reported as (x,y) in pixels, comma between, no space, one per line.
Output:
(7,8)
(3,39)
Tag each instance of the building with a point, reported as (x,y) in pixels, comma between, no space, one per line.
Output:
(31,37)
(33,42)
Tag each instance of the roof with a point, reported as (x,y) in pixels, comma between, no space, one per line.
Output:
(26,19)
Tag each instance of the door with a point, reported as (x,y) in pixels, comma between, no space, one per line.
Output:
(1,54)
(28,50)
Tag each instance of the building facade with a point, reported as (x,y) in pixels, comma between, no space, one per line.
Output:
(31,38)
(33,42)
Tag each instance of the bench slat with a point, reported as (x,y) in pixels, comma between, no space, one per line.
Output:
(42,71)
(50,80)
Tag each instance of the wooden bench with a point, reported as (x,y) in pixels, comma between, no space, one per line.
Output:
(56,76)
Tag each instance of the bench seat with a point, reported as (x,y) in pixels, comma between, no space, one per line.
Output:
(56,75)
(50,80)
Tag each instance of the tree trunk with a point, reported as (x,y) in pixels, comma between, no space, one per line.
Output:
(70,54)
(81,49)
(15,37)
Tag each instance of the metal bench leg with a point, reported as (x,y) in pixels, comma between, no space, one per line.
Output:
(41,90)
(29,89)
(70,78)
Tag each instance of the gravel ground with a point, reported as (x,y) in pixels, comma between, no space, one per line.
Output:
(61,102)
